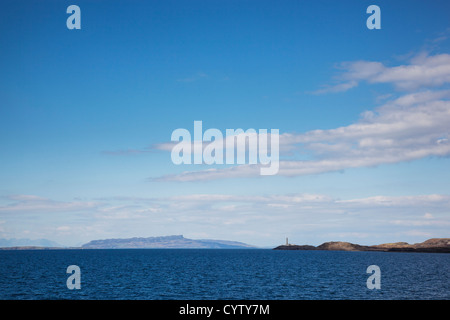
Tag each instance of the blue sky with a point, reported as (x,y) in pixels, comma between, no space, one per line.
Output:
(362,114)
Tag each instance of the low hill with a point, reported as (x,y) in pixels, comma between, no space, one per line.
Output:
(440,245)
(342,246)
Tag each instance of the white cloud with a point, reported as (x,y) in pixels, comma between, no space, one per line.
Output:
(214,198)
(63,229)
(423,71)
(408,128)
(428,216)
(398,201)
(341,87)
(418,233)
(32,203)
(25,197)
(247,218)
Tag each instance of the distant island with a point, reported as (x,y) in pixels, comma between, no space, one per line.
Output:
(440,245)
(24,242)
(177,241)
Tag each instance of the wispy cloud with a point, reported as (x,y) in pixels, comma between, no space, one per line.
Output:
(399,201)
(124,152)
(32,203)
(247,218)
(411,127)
(341,87)
(195,77)
(423,71)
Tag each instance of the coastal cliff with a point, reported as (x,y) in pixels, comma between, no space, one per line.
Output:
(440,245)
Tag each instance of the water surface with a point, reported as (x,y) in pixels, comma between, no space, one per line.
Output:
(222,274)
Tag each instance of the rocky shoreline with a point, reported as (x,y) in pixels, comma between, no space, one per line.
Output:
(437,245)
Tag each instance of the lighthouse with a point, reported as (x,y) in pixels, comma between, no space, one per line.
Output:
(287,242)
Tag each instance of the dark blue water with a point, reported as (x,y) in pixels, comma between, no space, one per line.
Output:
(222,274)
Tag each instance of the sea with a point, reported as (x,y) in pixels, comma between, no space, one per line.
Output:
(221,274)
